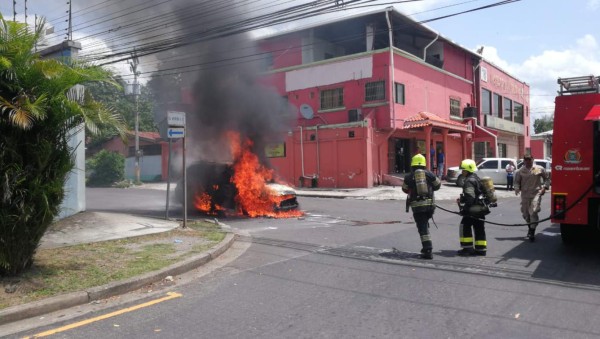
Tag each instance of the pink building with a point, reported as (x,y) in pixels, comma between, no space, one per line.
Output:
(364,109)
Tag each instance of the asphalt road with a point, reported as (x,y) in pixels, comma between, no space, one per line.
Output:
(332,274)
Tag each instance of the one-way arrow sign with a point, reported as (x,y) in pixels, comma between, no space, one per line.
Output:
(176,132)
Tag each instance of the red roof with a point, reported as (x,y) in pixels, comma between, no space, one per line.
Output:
(150,136)
(423,119)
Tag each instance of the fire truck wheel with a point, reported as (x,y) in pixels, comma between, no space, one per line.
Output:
(569,234)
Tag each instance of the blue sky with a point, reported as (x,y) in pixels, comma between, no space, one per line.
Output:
(535,40)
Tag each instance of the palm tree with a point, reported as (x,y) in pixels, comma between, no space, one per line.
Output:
(42,104)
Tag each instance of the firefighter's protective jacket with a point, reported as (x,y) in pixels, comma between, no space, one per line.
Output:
(530,181)
(421,204)
(470,198)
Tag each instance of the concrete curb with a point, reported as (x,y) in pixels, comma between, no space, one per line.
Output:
(68,300)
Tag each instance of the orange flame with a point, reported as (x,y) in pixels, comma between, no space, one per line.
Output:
(254,197)
(250,178)
(203,203)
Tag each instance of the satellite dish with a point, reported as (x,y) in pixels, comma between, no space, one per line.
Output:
(306,111)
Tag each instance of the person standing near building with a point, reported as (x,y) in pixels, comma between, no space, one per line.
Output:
(420,185)
(510,171)
(432,157)
(441,159)
(531,181)
(472,210)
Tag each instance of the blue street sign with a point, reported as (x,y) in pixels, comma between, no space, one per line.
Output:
(176,132)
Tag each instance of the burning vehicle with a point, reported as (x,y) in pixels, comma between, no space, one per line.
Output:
(212,191)
(243,187)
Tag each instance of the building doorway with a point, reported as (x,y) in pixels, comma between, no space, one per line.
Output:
(402,155)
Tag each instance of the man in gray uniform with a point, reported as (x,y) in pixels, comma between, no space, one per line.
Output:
(531,181)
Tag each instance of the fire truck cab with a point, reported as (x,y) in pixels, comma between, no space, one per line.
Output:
(576,157)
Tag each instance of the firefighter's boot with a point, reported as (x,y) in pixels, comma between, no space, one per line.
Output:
(426,253)
(466,252)
(531,234)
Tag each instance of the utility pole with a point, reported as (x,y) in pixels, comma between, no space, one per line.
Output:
(70,29)
(14,10)
(136,91)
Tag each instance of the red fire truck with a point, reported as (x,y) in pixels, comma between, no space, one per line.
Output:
(576,157)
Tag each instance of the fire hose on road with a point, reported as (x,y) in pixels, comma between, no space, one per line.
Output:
(524,224)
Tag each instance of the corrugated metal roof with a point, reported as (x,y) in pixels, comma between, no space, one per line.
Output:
(390,9)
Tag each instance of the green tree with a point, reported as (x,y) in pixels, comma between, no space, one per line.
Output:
(41,106)
(114,97)
(543,124)
(106,168)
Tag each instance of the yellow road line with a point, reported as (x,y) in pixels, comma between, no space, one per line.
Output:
(170,295)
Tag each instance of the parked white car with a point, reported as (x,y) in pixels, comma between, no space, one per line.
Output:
(494,168)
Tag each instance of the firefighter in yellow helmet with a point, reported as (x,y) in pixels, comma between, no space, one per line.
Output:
(419,185)
(471,209)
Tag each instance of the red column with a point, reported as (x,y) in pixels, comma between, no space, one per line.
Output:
(428,147)
(463,139)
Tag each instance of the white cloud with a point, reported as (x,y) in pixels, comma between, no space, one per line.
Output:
(593,4)
(542,71)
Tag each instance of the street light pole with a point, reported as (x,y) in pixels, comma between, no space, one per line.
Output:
(136,88)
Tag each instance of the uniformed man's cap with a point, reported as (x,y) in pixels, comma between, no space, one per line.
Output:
(527,156)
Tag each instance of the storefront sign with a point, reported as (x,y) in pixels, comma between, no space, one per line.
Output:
(275,150)
(507,86)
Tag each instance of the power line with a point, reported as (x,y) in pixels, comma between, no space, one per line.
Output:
(202,66)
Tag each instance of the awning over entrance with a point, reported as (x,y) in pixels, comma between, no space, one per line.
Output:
(423,119)
(594,113)
(484,133)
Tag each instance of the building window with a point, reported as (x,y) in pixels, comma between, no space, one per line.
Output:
(518,113)
(497,105)
(375,91)
(399,89)
(454,107)
(502,152)
(507,109)
(484,74)
(486,103)
(332,98)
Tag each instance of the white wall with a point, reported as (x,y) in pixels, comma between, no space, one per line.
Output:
(74,201)
(328,74)
(150,167)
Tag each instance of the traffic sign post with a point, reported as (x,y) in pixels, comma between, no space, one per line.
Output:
(176,130)
(176,118)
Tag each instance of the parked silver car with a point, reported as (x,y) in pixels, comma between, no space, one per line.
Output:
(494,168)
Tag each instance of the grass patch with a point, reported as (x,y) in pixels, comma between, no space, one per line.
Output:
(74,268)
